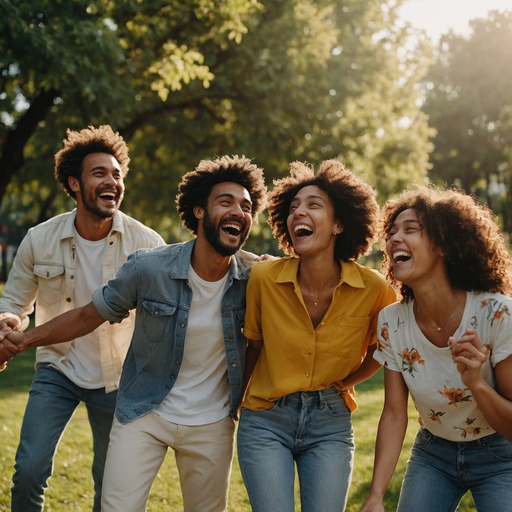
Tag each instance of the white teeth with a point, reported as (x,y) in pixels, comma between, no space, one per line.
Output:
(107,196)
(401,253)
(302,226)
(233,226)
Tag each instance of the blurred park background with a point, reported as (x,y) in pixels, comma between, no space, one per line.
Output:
(274,80)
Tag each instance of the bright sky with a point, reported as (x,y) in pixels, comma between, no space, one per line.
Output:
(436,17)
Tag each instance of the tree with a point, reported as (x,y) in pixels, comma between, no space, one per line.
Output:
(469,102)
(91,61)
(185,80)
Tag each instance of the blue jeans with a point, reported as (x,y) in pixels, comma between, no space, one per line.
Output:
(52,401)
(440,472)
(312,430)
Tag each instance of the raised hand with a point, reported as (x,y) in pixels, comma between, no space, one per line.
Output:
(469,353)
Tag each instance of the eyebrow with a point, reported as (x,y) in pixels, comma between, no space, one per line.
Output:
(407,221)
(231,196)
(102,168)
(310,197)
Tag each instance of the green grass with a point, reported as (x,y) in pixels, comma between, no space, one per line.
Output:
(70,487)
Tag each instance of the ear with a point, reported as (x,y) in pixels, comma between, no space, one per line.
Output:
(198,212)
(338,227)
(74,184)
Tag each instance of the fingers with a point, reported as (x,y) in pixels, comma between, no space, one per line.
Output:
(265,257)
(7,350)
(4,331)
(471,336)
(13,323)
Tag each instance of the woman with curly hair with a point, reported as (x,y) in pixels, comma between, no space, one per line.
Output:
(449,344)
(311,323)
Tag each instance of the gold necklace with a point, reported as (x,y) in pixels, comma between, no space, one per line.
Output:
(446,323)
(316,298)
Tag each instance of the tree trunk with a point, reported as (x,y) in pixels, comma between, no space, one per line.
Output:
(12,148)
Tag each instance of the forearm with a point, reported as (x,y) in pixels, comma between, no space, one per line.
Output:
(496,409)
(368,368)
(390,438)
(251,358)
(66,327)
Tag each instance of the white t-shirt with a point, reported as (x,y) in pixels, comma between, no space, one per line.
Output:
(445,406)
(201,394)
(82,364)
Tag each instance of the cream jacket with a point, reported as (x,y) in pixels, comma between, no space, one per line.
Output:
(44,269)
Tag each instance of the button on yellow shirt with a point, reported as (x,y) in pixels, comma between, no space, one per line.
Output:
(295,356)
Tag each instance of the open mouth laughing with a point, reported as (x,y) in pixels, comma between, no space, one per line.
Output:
(302,230)
(232,228)
(401,257)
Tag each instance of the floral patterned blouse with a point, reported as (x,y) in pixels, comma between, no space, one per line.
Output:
(445,406)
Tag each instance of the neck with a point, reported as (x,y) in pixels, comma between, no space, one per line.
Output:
(437,302)
(207,263)
(317,273)
(91,227)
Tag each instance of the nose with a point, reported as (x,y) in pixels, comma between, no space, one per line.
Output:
(299,211)
(109,178)
(237,210)
(395,238)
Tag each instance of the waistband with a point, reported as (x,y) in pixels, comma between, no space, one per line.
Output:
(477,443)
(309,396)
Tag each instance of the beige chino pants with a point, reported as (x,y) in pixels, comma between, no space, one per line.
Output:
(136,452)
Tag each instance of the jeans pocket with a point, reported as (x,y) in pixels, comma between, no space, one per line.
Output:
(335,406)
(500,449)
(423,438)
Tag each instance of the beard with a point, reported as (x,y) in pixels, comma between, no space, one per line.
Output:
(212,235)
(91,206)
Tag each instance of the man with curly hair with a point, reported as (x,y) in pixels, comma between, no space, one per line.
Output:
(181,385)
(60,263)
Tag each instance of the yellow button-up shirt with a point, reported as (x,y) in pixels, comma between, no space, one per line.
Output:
(295,356)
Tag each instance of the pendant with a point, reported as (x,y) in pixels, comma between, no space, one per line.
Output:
(438,329)
(314,304)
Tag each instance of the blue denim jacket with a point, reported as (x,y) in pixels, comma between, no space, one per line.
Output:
(155,282)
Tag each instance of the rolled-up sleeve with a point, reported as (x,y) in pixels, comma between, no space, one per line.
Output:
(115,299)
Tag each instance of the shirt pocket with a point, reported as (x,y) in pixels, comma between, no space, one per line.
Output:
(49,282)
(348,336)
(156,318)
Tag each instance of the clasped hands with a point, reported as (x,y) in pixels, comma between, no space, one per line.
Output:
(10,343)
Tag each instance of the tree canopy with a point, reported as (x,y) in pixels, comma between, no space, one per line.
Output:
(469,103)
(184,80)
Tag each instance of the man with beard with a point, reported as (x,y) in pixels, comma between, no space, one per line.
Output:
(60,263)
(181,384)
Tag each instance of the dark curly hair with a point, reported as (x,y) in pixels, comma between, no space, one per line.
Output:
(353,201)
(196,186)
(69,160)
(465,230)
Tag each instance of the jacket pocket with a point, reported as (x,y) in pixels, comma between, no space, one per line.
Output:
(49,282)
(156,318)
(348,336)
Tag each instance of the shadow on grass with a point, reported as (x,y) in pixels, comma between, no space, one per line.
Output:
(18,375)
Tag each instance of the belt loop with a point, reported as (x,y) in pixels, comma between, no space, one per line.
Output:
(282,401)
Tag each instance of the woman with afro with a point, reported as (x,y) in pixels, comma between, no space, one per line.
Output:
(449,344)
(311,323)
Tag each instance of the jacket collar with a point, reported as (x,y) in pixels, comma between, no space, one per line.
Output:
(180,270)
(69,226)
(349,273)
